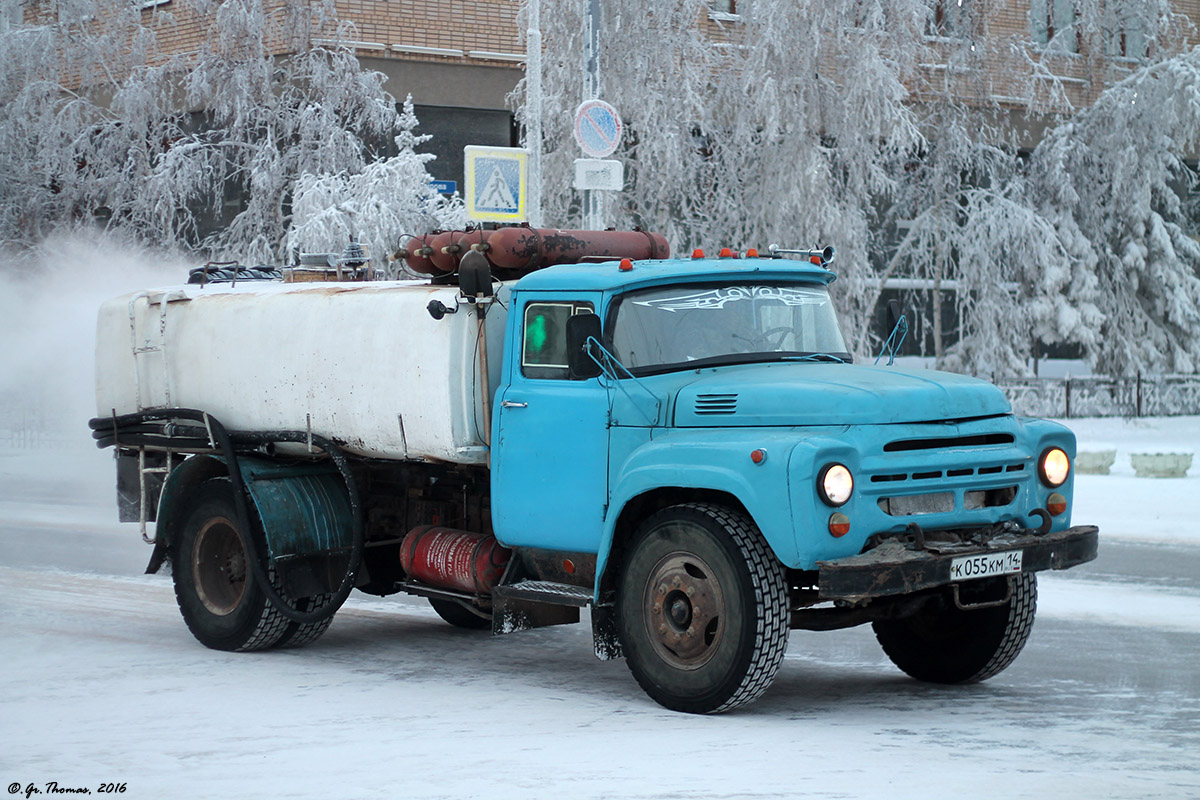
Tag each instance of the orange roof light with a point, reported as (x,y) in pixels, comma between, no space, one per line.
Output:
(725,253)
(752,253)
(697,253)
(625,265)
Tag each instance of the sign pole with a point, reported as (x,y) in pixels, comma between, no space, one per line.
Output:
(533,110)
(593,201)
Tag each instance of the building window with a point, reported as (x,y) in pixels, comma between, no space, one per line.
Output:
(949,19)
(1052,23)
(1128,38)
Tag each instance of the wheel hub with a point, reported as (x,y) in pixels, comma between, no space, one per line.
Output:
(219,566)
(686,605)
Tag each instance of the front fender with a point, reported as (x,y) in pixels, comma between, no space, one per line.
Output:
(717,461)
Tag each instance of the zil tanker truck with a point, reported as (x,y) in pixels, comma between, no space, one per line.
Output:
(562,420)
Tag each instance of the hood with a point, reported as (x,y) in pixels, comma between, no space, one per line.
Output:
(794,394)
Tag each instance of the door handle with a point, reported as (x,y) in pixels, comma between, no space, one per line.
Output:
(512,404)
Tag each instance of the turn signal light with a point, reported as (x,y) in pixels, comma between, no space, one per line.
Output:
(1056,504)
(839,524)
(758,456)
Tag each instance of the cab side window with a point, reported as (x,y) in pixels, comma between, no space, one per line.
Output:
(544,343)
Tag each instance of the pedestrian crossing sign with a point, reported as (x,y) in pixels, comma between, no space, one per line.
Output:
(495,183)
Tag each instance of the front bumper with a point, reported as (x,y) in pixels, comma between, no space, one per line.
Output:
(894,568)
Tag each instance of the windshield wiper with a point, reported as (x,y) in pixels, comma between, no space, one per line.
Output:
(826,357)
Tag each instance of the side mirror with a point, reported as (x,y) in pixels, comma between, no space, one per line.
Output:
(894,312)
(580,328)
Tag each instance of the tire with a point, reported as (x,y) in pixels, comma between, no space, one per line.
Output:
(702,609)
(945,644)
(460,617)
(298,634)
(221,602)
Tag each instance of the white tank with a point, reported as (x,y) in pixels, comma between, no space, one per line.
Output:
(364,363)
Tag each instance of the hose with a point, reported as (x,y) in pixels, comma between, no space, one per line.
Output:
(132,430)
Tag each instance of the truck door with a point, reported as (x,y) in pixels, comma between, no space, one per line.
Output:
(550,437)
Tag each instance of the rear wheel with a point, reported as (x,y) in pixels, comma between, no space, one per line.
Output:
(221,602)
(943,643)
(460,616)
(299,634)
(702,609)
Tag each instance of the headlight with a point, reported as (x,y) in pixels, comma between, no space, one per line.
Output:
(835,484)
(1054,467)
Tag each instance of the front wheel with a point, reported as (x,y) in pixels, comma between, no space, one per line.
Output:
(702,609)
(943,643)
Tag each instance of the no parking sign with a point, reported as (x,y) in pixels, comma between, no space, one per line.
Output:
(598,128)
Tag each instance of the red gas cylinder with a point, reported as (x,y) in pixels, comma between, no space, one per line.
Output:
(417,251)
(451,559)
(477,239)
(525,248)
(446,250)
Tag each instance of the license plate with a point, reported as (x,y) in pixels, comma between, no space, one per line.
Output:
(985,565)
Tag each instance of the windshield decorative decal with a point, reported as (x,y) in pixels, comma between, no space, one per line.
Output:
(718,298)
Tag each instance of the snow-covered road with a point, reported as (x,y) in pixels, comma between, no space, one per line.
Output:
(102,683)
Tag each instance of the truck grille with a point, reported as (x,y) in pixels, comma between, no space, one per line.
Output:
(994,469)
(708,404)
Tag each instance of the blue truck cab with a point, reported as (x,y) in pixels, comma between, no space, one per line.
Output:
(699,429)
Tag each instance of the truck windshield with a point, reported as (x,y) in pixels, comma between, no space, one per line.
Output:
(683,327)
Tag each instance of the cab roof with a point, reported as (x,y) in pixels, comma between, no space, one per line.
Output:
(608,276)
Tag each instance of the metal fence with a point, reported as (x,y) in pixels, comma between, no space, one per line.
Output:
(1104,396)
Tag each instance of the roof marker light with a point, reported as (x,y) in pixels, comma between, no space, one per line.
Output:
(752,253)
(725,253)
(626,265)
(697,253)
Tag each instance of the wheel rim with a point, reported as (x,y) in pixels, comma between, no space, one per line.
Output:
(219,566)
(685,608)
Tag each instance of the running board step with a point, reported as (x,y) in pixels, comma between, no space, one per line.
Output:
(558,594)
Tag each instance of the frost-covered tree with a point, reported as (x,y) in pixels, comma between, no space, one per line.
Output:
(390,197)
(161,143)
(1110,181)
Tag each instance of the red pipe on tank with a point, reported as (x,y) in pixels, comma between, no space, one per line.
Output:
(445,558)
(523,248)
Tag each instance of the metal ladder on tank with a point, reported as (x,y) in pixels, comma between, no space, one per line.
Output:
(151,344)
